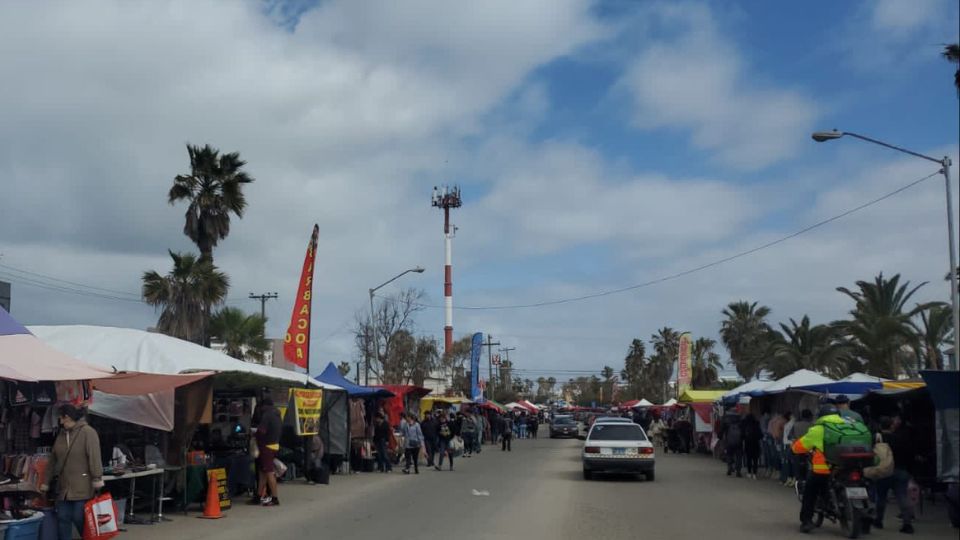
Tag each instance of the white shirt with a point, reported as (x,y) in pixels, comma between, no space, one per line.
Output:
(787,429)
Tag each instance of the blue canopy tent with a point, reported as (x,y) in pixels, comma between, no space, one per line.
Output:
(854,385)
(331,375)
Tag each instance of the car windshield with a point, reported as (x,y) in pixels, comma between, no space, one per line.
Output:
(617,432)
(566,420)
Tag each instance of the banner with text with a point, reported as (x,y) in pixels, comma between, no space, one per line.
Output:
(684,375)
(296,344)
(306,405)
(475,393)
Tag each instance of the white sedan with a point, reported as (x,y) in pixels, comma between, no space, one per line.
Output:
(618,447)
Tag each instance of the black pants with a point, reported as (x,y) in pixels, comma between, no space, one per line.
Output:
(753,462)
(815,487)
(505,444)
(412,454)
(734,460)
(431,447)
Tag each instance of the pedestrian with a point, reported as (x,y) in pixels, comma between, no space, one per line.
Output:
(507,434)
(732,437)
(478,439)
(533,426)
(903,451)
(429,429)
(268,444)
(843,405)
(752,438)
(522,423)
(381,438)
(468,431)
(799,429)
(315,461)
(496,427)
(445,434)
(773,442)
(658,432)
(413,440)
(76,469)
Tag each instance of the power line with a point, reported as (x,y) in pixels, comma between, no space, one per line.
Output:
(697,268)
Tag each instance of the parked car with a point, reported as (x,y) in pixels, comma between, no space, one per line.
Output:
(618,447)
(563,426)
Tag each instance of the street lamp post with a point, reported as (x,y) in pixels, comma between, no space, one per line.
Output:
(373,321)
(823,136)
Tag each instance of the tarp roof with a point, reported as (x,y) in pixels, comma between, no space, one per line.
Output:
(854,384)
(701,396)
(128,349)
(745,388)
(635,403)
(331,375)
(801,378)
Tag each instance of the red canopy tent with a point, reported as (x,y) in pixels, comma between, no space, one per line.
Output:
(404,399)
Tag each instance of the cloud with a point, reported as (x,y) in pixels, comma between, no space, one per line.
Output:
(697,81)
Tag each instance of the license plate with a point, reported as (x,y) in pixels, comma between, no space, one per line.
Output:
(619,451)
(856,493)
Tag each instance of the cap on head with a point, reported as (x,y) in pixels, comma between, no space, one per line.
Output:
(842,399)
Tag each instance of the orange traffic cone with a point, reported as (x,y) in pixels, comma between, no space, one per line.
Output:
(211,510)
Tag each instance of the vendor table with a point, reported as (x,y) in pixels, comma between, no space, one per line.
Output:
(131,518)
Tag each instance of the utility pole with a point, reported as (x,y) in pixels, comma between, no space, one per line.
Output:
(507,351)
(490,343)
(263,302)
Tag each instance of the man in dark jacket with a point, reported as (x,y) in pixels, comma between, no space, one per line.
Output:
(507,433)
(429,429)
(268,444)
(381,439)
(902,448)
(732,437)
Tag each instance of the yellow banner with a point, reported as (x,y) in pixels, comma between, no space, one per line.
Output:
(306,405)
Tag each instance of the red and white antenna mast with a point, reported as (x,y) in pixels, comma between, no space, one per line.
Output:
(447,198)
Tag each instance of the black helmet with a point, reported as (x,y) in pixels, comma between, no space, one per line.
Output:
(827,409)
(842,398)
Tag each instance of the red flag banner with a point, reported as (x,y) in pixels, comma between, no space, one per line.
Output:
(296,344)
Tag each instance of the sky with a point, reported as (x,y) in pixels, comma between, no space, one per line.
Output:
(599,145)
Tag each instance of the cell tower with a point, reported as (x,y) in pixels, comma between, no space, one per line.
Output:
(447,198)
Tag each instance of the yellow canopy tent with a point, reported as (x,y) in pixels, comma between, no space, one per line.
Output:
(426,403)
(903,385)
(701,396)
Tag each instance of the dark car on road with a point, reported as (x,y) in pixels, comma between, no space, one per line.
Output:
(563,426)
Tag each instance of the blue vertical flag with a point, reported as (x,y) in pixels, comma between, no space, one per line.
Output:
(477,344)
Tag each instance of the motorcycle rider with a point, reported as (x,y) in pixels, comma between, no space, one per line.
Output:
(818,479)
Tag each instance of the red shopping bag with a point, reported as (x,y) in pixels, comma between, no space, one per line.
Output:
(100,518)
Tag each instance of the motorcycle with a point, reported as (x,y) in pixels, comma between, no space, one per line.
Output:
(847,501)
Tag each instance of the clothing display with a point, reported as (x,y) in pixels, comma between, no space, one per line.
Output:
(358,419)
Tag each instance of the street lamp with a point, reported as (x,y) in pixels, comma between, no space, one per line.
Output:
(823,136)
(373,321)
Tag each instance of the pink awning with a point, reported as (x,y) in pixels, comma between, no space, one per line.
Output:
(135,384)
(23,357)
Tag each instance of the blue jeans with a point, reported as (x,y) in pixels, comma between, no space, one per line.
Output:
(786,464)
(898,482)
(523,431)
(443,449)
(69,516)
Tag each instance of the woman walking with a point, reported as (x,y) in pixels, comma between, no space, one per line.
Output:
(413,440)
(74,471)
(444,436)
(752,437)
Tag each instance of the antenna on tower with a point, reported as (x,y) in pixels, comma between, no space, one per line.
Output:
(445,199)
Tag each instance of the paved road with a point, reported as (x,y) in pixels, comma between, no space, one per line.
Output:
(535,492)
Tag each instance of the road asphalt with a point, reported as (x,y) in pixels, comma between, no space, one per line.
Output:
(535,492)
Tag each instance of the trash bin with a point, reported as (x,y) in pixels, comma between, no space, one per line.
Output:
(24,529)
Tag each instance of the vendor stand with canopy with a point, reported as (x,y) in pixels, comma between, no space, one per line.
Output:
(211,419)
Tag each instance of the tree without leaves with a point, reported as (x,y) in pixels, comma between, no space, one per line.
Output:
(746,335)
(394,314)
(214,189)
(185,295)
(409,360)
(242,334)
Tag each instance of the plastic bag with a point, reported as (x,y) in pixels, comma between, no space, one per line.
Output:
(100,518)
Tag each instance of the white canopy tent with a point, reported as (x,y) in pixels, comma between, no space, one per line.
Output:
(801,377)
(643,403)
(746,388)
(128,349)
(670,402)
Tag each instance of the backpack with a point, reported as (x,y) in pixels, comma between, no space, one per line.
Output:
(445,431)
(848,436)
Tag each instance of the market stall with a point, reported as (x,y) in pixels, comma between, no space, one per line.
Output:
(405,398)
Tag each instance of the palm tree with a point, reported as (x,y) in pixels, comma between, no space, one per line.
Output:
(214,189)
(705,363)
(746,335)
(242,334)
(952,54)
(819,348)
(880,328)
(666,344)
(937,331)
(185,295)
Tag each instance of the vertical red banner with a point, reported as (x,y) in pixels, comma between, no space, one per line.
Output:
(296,344)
